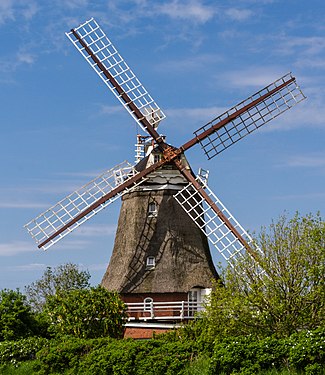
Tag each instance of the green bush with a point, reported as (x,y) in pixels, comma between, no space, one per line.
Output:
(116,357)
(16,319)
(86,313)
(307,351)
(302,351)
(65,353)
(13,352)
(24,368)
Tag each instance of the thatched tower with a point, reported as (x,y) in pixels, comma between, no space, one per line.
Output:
(159,253)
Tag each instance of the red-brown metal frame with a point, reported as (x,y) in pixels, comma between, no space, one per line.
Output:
(231,117)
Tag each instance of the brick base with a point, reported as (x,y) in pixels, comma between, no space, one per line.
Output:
(142,332)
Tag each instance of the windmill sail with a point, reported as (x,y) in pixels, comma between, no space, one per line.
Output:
(99,52)
(228,240)
(247,116)
(46,229)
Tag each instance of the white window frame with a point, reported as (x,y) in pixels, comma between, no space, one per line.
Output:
(147,304)
(156,158)
(150,262)
(152,209)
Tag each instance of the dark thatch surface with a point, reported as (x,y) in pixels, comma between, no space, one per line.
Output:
(181,250)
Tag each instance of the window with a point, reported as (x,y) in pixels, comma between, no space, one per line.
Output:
(152,209)
(151,262)
(156,158)
(147,304)
(193,300)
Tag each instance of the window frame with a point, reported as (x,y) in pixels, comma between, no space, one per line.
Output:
(150,262)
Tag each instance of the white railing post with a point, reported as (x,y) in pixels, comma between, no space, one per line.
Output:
(152,315)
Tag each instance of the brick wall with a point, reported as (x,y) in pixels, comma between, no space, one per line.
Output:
(142,332)
(157,297)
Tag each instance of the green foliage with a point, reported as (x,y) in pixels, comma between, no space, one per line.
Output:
(63,354)
(13,352)
(301,353)
(86,313)
(193,331)
(307,350)
(116,357)
(288,297)
(247,355)
(16,318)
(199,366)
(63,278)
(25,368)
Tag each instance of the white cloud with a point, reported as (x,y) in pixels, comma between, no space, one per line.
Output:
(22,205)
(192,10)
(6,10)
(96,230)
(194,114)
(10,64)
(311,45)
(307,114)
(238,14)
(71,243)
(31,9)
(252,76)
(25,58)
(110,109)
(308,161)
(30,267)
(15,248)
(10,9)
(304,62)
(72,4)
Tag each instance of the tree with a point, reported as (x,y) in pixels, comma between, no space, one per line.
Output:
(86,313)
(65,277)
(288,297)
(16,318)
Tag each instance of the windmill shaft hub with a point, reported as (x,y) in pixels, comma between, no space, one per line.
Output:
(171,153)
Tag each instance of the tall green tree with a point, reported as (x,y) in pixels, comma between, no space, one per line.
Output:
(64,277)
(288,297)
(16,319)
(86,313)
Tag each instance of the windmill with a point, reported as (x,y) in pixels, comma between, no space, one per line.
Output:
(168,213)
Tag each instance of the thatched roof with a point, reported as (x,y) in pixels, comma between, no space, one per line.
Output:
(180,249)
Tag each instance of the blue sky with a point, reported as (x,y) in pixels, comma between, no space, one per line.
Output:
(61,127)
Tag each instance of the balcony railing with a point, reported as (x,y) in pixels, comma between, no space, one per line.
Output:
(179,310)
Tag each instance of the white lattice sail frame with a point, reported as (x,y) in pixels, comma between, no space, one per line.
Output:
(95,39)
(49,222)
(217,232)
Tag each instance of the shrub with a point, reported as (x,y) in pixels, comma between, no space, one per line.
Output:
(116,357)
(16,318)
(86,313)
(303,351)
(13,352)
(307,350)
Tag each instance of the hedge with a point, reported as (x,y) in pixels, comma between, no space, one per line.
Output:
(302,352)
